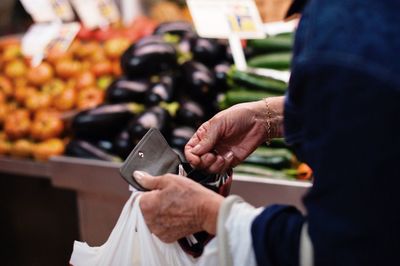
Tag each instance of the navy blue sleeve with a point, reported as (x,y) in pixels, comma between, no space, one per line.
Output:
(342,117)
(276,234)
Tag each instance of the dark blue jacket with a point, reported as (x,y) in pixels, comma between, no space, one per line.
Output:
(342,116)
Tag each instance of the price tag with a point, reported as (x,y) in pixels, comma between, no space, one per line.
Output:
(38,37)
(40,10)
(63,9)
(63,39)
(89,13)
(48,10)
(130,10)
(96,13)
(223,18)
(43,38)
(109,10)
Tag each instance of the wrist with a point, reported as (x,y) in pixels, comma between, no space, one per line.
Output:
(210,210)
(273,117)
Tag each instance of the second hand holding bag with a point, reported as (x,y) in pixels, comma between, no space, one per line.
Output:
(154,156)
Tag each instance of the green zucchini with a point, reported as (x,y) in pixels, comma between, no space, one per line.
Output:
(254,82)
(270,152)
(275,162)
(272,157)
(280,61)
(261,171)
(280,43)
(240,95)
(286,34)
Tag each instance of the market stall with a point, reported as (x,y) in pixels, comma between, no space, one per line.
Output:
(70,117)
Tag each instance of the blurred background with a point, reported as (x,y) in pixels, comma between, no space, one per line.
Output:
(71,112)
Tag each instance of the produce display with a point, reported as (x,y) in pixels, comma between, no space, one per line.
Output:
(100,97)
(38,103)
(169,82)
(174,80)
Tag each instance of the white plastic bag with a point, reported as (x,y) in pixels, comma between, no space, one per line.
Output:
(132,244)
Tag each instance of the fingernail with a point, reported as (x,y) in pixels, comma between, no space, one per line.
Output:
(228,155)
(140,175)
(196,148)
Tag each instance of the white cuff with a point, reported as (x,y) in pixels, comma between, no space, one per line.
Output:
(234,232)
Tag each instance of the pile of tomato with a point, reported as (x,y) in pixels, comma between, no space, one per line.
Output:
(36,103)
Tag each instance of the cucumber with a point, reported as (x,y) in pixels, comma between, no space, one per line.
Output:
(254,82)
(271,152)
(286,34)
(271,157)
(261,171)
(240,95)
(280,61)
(275,162)
(279,43)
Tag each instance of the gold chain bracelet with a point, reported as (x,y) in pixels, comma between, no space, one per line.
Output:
(268,124)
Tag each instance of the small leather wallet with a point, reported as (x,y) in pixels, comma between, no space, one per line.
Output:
(153,155)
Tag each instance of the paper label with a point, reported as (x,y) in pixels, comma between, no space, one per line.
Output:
(40,10)
(64,37)
(130,9)
(38,37)
(89,13)
(63,9)
(43,38)
(109,10)
(223,18)
(48,10)
(96,13)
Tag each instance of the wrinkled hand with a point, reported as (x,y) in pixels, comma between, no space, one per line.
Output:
(233,134)
(177,206)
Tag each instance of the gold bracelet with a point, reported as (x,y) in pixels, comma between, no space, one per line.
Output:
(268,124)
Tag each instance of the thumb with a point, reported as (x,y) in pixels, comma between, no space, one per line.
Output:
(147,181)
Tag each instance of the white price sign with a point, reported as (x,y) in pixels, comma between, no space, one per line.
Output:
(40,10)
(89,13)
(63,9)
(48,10)
(224,18)
(130,9)
(109,10)
(96,13)
(42,38)
(38,37)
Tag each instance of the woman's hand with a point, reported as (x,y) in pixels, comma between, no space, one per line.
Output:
(177,206)
(231,135)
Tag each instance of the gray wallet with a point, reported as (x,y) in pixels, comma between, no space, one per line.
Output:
(153,155)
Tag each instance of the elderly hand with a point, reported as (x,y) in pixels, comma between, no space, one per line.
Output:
(233,134)
(177,206)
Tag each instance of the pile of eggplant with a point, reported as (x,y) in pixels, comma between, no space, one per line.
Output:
(171,81)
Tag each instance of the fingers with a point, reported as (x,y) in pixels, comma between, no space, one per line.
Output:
(202,142)
(218,165)
(215,163)
(221,164)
